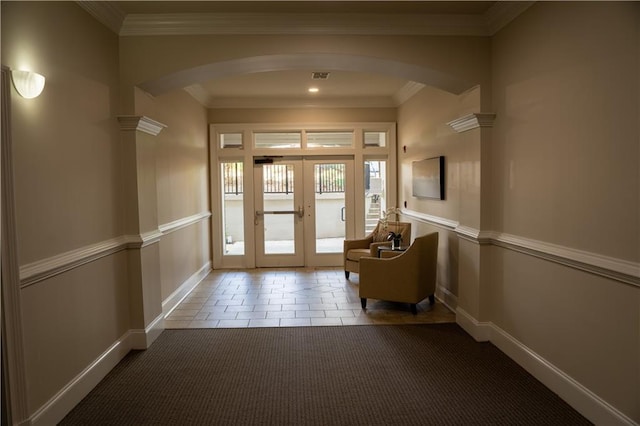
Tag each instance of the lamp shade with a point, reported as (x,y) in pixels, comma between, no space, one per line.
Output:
(28,84)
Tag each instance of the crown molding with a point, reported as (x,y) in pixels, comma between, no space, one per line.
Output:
(140,122)
(494,19)
(472,121)
(108,13)
(302,23)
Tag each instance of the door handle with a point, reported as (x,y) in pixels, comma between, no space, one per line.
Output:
(299,212)
(342,210)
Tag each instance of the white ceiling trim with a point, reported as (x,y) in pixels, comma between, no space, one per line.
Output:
(487,24)
(106,12)
(302,23)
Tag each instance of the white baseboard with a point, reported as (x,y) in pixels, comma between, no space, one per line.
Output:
(575,394)
(170,303)
(449,299)
(67,398)
(142,339)
(480,331)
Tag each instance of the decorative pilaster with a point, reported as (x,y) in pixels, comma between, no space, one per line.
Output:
(141,225)
(472,121)
(141,123)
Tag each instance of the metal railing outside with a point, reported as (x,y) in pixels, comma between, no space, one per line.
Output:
(278,178)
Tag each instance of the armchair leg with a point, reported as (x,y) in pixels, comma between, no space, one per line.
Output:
(363,302)
(414,309)
(432,300)
(346,274)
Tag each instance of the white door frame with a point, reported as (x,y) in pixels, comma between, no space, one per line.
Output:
(312,258)
(246,151)
(295,212)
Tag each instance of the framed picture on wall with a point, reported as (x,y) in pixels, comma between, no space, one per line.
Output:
(428,178)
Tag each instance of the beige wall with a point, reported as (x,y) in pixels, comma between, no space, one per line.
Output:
(69,321)
(565,144)
(67,132)
(181,172)
(68,188)
(181,151)
(565,172)
(424,132)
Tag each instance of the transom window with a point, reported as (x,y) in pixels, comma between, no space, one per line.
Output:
(278,140)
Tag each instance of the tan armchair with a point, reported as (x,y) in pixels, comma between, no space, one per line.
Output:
(368,246)
(408,277)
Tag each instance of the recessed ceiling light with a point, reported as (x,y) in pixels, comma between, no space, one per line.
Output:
(313,90)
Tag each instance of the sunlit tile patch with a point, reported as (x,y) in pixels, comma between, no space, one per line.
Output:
(296,297)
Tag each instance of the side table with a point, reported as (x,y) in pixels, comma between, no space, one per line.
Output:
(386,251)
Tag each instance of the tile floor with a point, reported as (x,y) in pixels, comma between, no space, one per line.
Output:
(290,298)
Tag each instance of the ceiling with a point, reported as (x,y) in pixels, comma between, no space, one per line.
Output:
(290,87)
(325,6)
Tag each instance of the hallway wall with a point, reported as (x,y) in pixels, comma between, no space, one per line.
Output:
(182,173)
(541,251)
(68,190)
(565,181)
(558,198)
(423,130)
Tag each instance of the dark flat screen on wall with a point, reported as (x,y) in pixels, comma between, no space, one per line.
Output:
(428,178)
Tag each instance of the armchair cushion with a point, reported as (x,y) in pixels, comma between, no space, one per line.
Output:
(408,277)
(356,254)
(380,235)
(354,250)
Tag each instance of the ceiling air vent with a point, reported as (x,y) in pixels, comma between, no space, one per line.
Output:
(318,75)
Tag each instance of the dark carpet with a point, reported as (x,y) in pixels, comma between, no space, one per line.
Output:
(359,375)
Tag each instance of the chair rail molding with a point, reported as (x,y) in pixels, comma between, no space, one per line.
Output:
(141,123)
(143,240)
(46,268)
(433,220)
(472,121)
(172,226)
(43,269)
(616,269)
(620,270)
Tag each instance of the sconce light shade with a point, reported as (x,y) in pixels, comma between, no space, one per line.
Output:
(28,84)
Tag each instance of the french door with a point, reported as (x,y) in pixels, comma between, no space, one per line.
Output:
(304,208)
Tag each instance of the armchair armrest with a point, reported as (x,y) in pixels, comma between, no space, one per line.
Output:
(373,247)
(361,243)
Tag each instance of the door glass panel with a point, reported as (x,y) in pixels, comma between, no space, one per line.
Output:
(329,139)
(277,191)
(375,175)
(330,207)
(278,140)
(233,207)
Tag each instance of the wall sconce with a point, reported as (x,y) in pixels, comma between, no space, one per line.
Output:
(28,84)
